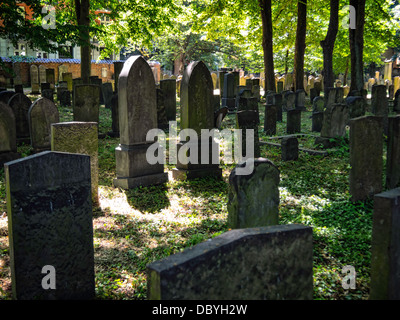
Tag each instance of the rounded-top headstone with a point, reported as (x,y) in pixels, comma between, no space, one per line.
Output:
(20,105)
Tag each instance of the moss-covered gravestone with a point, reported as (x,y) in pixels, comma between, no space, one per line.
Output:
(82,138)
(41,115)
(266,263)
(137,100)
(8,141)
(86,103)
(254,198)
(50,227)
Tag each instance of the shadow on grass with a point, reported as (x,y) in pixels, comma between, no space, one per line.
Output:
(151,199)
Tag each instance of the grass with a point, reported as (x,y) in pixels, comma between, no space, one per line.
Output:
(135,227)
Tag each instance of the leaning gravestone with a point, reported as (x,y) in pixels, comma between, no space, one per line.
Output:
(50,227)
(137,110)
(254,198)
(41,115)
(366,151)
(248,121)
(8,141)
(266,263)
(197,113)
(86,103)
(20,105)
(118,65)
(34,73)
(289,148)
(82,138)
(168,88)
(393,153)
(385,278)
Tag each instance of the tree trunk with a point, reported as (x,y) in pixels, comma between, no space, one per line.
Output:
(300,46)
(82,15)
(267,44)
(356,37)
(328,45)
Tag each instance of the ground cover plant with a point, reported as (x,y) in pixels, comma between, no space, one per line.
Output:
(135,227)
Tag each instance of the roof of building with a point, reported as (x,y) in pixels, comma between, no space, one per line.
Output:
(43,60)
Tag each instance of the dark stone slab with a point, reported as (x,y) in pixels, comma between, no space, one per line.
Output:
(270,119)
(270,263)
(248,120)
(168,88)
(50,224)
(20,105)
(393,153)
(293,122)
(290,148)
(86,103)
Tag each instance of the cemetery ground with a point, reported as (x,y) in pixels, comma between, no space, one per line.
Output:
(135,227)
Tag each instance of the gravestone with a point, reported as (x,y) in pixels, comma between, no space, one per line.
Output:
(279,87)
(385,264)
(20,105)
(48,94)
(34,73)
(67,77)
(137,100)
(357,106)
(393,153)
(254,198)
(300,97)
(266,263)
(270,119)
(380,104)
(42,74)
(168,88)
(391,92)
(114,117)
(288,101)
(335,121)
(65,98)
(317,121)
(62,69)
(289,148)
(293,121)
(118,65)
(334,96)
(366,150)
(8,141)
(313,94)
(17,73)
(50,227)
(228,97)
(242,93)
(197,113)
(162,122)
(44,86)
(86,103)
(396,104)
(41,115)
(221,77)
(247,104)
(248,120)
(82,138)
(95,80)
(50,77)
(107,94)
(18,88)
(236,82)
(276,100)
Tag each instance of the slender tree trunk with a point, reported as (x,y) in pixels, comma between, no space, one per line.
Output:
(356,37)
(300,46)
(82,15)
(267,44)
(328,45)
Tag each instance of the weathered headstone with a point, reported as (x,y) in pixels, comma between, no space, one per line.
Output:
(82,138)
(197,113)
(44,86)
(95,80)
(270,119)
(254,198)
(42,74)
(366,150)
(221,77)
(391,92)
(8,141)
(61,69)
(293,121)
(41,115)
(289,148)
(48,94)
(357,106)
(50,227)
(17,72)
(86,103)
(300,97)
(118,65)
(317,121)
(380,104)
(248,120)
(65,98)
(50,77)
(67,77)
(385,264)
(34,73)
(18,88)
(137,100)
(107,94)
(228,97)
(162,122)
(288,100)
(20,105)
(393,153)
(271,263)
(168,88)
(335,121)
(247,103)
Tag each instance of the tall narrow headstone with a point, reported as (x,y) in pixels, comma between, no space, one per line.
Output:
(228,97)
(385,247)
(137,100)
(20,105)
(254,198)
(366,151)
(357,106)
(42,74)
(67,77)
(300,100)
(293,121)
(62,69)
(118,65)
(34,73)
(107,94)
(86,103)
(50,77)
(162,122)
(41,115)
(288,100)
(270,119)
(197,113)
(380,104)
(168,88)
(266,263)
(8,141)
(50,227)
(82,138)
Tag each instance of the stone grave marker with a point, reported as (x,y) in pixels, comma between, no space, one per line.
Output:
(97,81)
(293,121)
(334,123)
(86,103)
(18,88)
(247,103)
(366,150)
(391,92)
(357,106)
(42,74)
(393,153)
(50,77)
(168,88)
(197,113)
(137,100)
(34,73)
(254,198)
(241,264)
(221,77)
(67,77)
(20,105)
(62,69)
(17,73)
(114,116)
(42,113)
(228,97)
(300,97)
(288,101)
(8,141)
(50,227)
(118,65)
(162,122)
(289,148)
(44,86)
(385,264)
(5,96)
(380,104)
(82,138)
(107,94)
(48,94)
(65,98)
(270,119)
